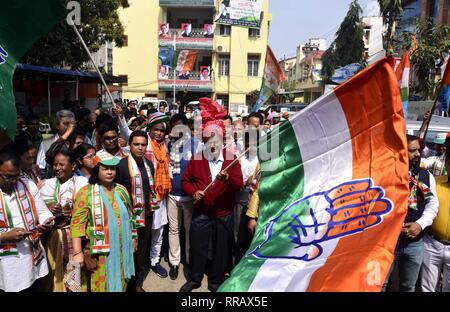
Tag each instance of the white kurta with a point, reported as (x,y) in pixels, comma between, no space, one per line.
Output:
(18,272)
(66,189)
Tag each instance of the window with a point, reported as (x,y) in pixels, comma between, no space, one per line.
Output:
(124,77)
(254,32)
(367,35)
(125,41)
(223,100)
(253,65)
(225,30)
(224,65)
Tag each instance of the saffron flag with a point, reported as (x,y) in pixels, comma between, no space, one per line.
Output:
(22,23)
(186,61)
(335,225)
(273,76)
(403,70)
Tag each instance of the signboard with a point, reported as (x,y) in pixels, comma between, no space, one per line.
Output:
(244,13)
(190,85)
(186,3)
(188,43)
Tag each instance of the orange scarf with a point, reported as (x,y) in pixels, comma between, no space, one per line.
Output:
(163,184)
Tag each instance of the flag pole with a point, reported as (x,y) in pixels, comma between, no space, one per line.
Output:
(426,123)
(228,167)
(93,62)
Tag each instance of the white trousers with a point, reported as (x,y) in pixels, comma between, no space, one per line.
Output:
(155,250)
(178,212)
(436,261)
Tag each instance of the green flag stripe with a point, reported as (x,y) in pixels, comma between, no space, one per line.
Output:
(22,23)
(277,189)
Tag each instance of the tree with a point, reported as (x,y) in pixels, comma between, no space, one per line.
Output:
(348,47)
(433,47)
(100,23)
(390,10)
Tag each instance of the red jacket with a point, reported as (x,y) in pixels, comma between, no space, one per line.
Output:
(219,200)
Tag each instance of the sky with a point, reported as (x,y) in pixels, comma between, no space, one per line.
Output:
(295,21)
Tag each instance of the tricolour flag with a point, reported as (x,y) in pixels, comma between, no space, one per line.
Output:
(403,71)
(273,76)
(22,22)
(186,61)
(332,207)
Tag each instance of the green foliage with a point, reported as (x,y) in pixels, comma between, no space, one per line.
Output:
(433,47)
(348,47)
(99,24)
(390,10)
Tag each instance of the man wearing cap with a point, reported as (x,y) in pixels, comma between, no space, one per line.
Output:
(436,164)
(436,258)
(158,154)
(211,232)
(275,121)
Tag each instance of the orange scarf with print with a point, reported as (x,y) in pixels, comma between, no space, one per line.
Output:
(163,184)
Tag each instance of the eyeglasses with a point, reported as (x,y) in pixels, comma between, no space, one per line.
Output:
(10,178)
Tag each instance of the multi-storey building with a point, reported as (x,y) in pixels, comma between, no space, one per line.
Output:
(233,56)
(373,36)
(422,10)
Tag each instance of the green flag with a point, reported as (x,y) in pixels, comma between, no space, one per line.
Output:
(22,22)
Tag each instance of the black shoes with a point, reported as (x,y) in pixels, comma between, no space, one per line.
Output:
(173,273)
(159,270)
(189,286)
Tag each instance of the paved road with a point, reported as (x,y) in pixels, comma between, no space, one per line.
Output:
(153,283)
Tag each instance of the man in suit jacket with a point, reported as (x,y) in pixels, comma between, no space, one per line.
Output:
(211,232)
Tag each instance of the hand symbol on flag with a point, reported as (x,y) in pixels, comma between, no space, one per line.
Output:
(3,55)
(302,228)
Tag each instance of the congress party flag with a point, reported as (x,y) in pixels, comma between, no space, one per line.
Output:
(333,204)
(22,23)
(403,71)
(273,76)
(186,61)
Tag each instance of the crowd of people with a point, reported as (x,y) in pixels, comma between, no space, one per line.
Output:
(92,207)
(96,207)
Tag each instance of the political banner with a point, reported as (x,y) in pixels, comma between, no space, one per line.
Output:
(244,13)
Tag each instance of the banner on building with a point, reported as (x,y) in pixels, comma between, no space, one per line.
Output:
(186,61)
(182,43)
(164,30)
(205,73)
(166,56)
(186,3)
(182,85)
(245,13)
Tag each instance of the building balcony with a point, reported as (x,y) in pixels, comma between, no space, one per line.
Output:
(197,40)
(187,3)
(191,82)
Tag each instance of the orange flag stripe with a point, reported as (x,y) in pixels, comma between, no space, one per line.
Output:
(373,108)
